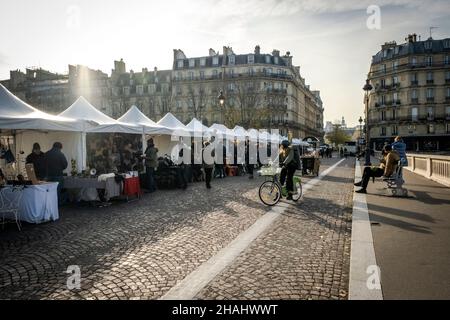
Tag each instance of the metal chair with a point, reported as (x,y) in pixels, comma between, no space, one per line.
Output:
(395,182)
(10,198)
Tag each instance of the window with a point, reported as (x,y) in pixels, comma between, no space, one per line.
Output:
(414,61)
(414,114)
(268,59)
(179,76)
(215,60)
(126,91)
(447,60)
(268,71)
(275,60)
(414,96)
(429,61)
(428,44)
(414,79)
(191,63)
(251,58)
(202,75)
(191,75)
(232,59)
(430,93)
(231,87)
(394,114)
(394,130)
(395,97)
(251,71)
(447,43)
(140,90)
(447,112)
(383,100)
(385,52)
(383,115)
(447,76)
(151,89)
(447,126)
(430,129)
(384,68)
(180,64)
(430,77)
(395,80)
(202,62)
(430,113)
(396,50)
(395,65)
(383,83)
(179,91)
(215,73)
(231,73)
(383,131)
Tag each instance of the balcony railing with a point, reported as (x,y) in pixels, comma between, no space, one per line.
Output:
(430,99)
(430,81)
(414,100)
(414,82)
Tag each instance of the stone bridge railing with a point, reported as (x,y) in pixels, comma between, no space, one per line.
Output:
(434,167)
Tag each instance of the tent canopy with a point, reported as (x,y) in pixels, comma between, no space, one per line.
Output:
(134,116)
(16,114)
(171,122)
(197,128)
(223,130)
(95,120)
(240,132)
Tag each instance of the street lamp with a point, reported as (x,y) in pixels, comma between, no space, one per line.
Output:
(360,127)
(367,88)
(221,98)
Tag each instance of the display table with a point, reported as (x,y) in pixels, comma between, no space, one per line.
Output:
(79,183)
(132,187)
(38,203)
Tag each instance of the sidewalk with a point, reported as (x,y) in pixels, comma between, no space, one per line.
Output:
(412,238)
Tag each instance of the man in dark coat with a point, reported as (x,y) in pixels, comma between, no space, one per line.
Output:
(38,159)
(56,164)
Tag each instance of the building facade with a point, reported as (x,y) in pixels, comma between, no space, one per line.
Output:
(261,91)
(411,94)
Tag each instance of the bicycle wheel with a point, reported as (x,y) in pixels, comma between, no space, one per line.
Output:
(298,188)
(269,193)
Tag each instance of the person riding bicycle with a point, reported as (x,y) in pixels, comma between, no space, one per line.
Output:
(288,163)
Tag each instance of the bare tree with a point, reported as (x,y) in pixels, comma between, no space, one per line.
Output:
(248,100)
(196,99)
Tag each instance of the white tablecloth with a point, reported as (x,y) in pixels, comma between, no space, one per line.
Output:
(39,203)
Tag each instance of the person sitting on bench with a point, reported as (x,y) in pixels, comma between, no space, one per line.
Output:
(387,167)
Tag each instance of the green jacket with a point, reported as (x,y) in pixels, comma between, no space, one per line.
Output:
(151,157)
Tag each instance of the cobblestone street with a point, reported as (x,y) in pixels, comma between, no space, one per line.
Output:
(140,250)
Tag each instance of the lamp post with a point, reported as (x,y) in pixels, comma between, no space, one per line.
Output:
(360,128)
(367,88)
(221,98)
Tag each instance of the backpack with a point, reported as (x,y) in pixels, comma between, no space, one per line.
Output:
(297,161)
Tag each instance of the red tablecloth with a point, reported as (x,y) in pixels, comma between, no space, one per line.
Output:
(132,187)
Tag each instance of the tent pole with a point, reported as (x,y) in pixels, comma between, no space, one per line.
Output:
(144,146)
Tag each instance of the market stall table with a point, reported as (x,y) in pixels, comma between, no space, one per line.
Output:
(38,203)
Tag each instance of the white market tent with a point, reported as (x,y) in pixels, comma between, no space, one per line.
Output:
(222,130)
(167,144)
(31,125)
(16,114)
(134,116)
(253,134)
(93,120)
(197,128)
(96,121)
(240,133)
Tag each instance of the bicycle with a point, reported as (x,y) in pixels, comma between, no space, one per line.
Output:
(271,191)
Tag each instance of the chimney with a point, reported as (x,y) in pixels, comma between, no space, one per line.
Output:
(276,53)
(257,50)
(212,52)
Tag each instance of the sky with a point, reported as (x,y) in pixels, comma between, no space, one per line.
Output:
(331,40)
